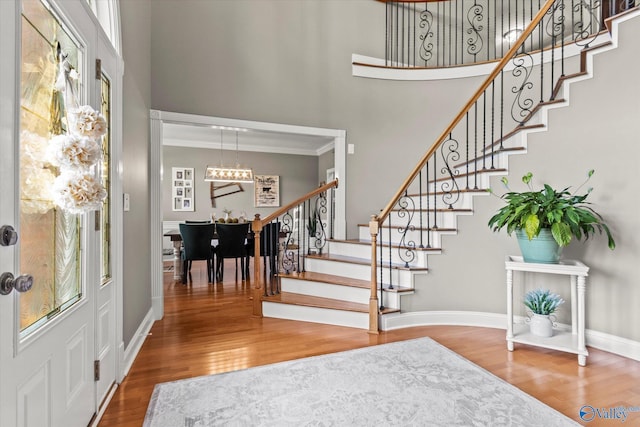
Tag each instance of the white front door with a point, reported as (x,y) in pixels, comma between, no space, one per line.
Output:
(47,334)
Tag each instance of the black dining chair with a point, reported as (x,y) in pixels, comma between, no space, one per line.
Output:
(196,240)
(269,241)
(231,244)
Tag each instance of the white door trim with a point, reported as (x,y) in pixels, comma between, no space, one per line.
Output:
(159,117)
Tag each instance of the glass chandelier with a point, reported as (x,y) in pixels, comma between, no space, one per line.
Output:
(229,174)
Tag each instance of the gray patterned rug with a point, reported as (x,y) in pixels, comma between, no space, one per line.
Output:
(408,383)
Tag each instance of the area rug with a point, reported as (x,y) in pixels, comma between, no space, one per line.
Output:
(408,383)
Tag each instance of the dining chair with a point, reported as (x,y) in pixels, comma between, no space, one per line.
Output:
(196,240)
(231,244)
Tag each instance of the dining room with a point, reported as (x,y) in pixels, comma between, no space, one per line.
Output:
(283,167)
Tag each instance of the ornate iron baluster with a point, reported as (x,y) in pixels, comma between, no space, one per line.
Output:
(475,17)
(449,152)
(406,247)
(288,254)
(426,47)
(585,32)
(522,104)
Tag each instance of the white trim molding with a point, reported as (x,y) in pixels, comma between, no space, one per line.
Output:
(131,352)
(602,341)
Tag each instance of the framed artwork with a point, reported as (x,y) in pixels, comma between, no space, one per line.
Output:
(267,191)
(182,190)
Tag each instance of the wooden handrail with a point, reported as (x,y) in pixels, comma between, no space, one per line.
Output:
(298,201)
(503,62)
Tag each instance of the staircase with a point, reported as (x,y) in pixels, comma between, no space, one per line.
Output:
(334,287)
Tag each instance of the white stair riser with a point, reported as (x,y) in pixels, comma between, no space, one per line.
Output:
(364,252)
(325,290)
(357,271)
(434,240)
(315,315)
(337,292)
(442,218)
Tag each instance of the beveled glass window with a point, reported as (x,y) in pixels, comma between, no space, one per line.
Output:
(50,238)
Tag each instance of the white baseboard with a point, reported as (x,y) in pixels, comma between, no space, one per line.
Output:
(132,350)
(602,341)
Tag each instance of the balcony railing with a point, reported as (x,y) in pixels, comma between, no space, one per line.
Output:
(437,33)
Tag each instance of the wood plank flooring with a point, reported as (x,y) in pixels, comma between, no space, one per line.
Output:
(208,329)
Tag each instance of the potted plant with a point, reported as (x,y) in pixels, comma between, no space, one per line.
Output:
(542,304)
(552,217)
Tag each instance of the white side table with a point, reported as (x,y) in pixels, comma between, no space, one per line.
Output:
(573,342)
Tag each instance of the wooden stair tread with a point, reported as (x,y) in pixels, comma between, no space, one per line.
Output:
(313,276)
(319,302)
(361,261)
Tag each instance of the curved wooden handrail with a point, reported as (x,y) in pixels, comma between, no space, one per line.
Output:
(503,62)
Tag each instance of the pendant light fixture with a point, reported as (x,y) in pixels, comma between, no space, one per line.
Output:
(229,174)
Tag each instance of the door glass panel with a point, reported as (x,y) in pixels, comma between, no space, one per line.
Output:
(105,226)
(50,237)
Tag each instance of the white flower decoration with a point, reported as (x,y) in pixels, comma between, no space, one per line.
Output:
(78,192)
(86,121)
(73,151)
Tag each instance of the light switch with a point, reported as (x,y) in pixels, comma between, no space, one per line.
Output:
(125,203)
(351,148)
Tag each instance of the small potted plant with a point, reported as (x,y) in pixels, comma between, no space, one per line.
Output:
(549,218)
(542,304)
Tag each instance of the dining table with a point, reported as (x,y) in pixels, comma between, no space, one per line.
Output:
(176,241)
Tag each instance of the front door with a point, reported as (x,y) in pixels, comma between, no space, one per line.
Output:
(47,333)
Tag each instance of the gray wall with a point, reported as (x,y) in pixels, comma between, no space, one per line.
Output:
(289,61)
(325,161)
(136,32)
(298,175)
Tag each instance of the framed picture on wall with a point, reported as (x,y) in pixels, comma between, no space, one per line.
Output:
(182,189)
(267,191)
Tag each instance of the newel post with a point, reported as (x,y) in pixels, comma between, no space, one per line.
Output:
(256,228)
(373,299)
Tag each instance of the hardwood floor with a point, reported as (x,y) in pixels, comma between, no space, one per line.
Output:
(208,329)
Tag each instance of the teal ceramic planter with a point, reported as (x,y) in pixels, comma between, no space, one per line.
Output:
(541,249)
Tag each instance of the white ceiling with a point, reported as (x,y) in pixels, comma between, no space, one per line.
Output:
(201,136)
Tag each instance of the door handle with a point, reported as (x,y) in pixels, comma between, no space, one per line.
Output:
(8,236)
(22,283)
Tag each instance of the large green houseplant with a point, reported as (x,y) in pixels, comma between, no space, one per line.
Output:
(563,214)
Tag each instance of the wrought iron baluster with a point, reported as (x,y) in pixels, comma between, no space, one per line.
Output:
(450,154)
(474,18)
(426,174)
(390,243)
(493,122)
(420,205)
(406,247)
(426,46)
(484,130)
(467,146)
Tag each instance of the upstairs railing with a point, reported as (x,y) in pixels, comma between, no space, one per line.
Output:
(461,157)
(301,228)
(444,33)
